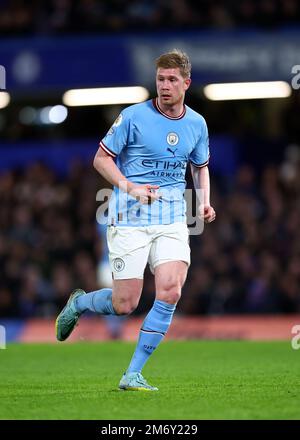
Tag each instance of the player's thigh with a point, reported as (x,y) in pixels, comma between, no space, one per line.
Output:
(169,278)
(171,243)
(129,249)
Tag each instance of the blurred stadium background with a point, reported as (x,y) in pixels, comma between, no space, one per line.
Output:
(247,264)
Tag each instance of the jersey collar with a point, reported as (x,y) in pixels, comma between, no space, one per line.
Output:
(156,105)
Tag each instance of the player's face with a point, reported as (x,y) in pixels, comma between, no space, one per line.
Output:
(171,86)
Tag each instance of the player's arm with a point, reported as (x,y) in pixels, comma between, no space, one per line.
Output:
(201,181)
(105,165)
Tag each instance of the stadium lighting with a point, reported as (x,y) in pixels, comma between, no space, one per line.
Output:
(43,116)
(105,96)
(4,99)
(58,114)
(28,115)
(53,115)
(247,90)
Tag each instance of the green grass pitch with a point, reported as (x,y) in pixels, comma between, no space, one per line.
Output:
(196,380)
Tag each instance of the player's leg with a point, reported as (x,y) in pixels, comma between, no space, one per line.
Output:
(121,300)
(169,279)
(128,259)
(126,295)
(128,254)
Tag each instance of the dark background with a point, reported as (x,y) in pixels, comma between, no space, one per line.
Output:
(248,261)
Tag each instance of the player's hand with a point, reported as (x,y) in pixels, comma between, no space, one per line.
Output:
(207,213)
(145,194)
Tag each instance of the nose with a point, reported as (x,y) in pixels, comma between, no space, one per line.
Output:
(165,85)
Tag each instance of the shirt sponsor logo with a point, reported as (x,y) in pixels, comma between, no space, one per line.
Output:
(164,164)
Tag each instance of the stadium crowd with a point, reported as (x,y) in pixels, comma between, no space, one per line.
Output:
(248,261)
(98,16)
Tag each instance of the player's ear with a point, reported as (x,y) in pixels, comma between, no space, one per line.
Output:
(187,83)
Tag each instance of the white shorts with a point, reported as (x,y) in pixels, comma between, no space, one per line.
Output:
(131,248)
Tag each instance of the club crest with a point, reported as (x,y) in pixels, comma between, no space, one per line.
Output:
(119,264)
(172,139)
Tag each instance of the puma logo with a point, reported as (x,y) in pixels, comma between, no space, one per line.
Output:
(171,151)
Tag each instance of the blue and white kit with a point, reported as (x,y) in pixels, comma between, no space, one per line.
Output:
(150,147)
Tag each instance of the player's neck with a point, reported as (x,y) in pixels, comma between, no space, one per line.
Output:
(173,110)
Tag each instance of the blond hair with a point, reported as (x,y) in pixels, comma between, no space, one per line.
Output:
(173,59)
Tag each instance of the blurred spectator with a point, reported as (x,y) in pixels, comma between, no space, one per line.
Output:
(98,16)
(247,262)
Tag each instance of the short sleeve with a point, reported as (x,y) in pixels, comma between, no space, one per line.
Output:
(117,136)
(199,157)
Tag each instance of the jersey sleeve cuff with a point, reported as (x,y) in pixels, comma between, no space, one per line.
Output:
(107,150)
(200,165)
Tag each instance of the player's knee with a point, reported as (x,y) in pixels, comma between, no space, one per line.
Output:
(125,308)
(170,294)
(173,297)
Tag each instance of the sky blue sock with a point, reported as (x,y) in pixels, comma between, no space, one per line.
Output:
(152,332)
(99,301)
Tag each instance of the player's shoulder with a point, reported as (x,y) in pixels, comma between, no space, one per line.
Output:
(194,116)
(136,109)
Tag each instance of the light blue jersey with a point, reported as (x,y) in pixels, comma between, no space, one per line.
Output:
(151,147)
